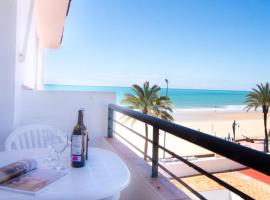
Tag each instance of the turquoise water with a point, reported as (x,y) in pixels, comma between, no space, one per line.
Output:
(182,98)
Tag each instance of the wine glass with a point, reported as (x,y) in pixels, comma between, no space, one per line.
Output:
(59,144)
(48,145)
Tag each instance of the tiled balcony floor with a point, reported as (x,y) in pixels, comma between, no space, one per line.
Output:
(142,186)
(249,185)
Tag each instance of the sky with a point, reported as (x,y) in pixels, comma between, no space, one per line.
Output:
(195,44)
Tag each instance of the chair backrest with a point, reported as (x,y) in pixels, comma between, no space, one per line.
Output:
(29,137)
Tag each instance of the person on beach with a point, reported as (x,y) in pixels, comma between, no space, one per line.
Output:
(233,127)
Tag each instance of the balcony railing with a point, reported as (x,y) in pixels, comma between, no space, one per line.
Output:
(246,156)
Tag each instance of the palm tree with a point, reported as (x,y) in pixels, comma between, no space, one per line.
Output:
(162,105)
(260,97)
(148,101)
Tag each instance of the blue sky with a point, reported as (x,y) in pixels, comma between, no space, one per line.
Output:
(204,44)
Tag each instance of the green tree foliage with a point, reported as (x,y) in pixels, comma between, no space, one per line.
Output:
(259,97)
(147,99)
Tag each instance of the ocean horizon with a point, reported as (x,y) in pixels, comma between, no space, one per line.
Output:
(188,99)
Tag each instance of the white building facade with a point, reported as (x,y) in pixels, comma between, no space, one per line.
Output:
(26,30)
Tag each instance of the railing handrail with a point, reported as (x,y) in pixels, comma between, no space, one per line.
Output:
(246,156)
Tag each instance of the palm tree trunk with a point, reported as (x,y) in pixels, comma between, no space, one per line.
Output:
(146,142)
(265,131)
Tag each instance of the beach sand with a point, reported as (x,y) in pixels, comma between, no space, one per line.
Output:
(217,123)
(220,123)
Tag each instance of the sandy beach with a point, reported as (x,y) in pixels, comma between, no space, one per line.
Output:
(250,124)
(217,123)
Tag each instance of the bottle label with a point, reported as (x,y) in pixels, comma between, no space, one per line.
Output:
(76,158)
(76,147)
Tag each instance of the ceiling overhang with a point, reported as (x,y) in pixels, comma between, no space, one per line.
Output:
(50,16)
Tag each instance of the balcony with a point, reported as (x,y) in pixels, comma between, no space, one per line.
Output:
(154,178)
(59,109)
(177,177)
(241,156)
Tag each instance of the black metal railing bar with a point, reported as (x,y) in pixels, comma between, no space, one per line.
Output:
(182,182)
(195,167)
(207,174)
(130,143)
(131,130)
(246,156)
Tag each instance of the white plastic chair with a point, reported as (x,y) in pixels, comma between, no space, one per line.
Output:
(29,137)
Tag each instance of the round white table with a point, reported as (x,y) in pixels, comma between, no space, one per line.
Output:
(104,176)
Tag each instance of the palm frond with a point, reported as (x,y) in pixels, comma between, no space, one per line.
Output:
(148,100)
(258,97)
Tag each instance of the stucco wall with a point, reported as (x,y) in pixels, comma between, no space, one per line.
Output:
(7,65)
(15,39)
(215,164)
(27,43)
(59,108)
(18,106)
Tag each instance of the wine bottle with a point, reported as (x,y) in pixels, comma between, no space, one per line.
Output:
(79,143)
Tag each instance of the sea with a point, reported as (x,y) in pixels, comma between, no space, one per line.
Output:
(188,99)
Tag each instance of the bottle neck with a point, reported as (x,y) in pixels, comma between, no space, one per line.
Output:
(80,117)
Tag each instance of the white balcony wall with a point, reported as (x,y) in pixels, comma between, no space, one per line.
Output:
(29,55)
(8,10)
(28,49)
(212,165)
(21,63)
(60,109)
(18,59)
